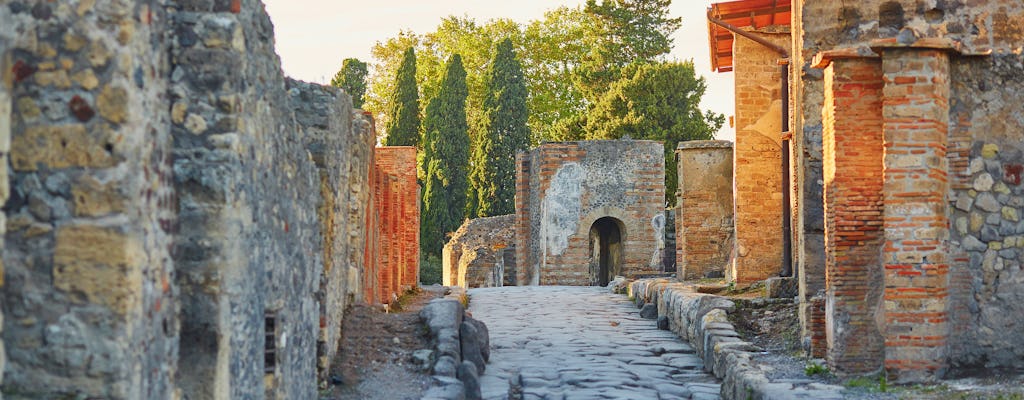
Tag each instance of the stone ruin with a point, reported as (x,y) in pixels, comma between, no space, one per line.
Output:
(181,221)
(481,254)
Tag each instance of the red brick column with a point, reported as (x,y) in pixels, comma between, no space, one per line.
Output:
(522,230)
(916,118)
(852,170)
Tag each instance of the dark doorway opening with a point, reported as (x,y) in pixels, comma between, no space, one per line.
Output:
(606,253)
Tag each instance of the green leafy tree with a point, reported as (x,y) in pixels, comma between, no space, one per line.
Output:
(403,127)
(352,78)
(446,156)
(504,133)
(626,32)
(657,101)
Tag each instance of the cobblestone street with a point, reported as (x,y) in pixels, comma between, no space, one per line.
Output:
(582,343)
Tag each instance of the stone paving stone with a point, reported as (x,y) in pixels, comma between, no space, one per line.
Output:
(582,343)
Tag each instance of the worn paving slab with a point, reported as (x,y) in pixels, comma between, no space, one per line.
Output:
(567,342)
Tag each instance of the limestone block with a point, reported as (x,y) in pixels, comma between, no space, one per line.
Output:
(98,265)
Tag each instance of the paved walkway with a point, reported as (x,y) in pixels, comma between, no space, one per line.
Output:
(568,343)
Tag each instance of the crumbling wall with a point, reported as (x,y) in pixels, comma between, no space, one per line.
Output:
(89,300)
(244,178)
(566,187)
(704,208)
(475,255)
(325,114)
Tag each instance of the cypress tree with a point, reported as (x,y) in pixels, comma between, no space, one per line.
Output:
(446,157)
(403,129)
(505,132)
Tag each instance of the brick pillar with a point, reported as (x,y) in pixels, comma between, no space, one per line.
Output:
(704,208)
(916,118)
(758,160)
(522,223)
(852,168)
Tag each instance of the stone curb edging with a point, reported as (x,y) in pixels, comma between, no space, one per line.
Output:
(702,320)
(461,349)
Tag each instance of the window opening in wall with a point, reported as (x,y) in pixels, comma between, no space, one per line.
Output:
(270,342)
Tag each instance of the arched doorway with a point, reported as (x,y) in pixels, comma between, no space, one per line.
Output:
(606,252)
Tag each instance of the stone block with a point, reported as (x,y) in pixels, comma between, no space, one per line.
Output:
(98,265)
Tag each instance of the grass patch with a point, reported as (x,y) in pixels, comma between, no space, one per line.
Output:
(813,369)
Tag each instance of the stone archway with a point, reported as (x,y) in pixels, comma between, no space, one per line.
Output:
(607,254)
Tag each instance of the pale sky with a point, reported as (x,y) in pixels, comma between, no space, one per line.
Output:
(314,36)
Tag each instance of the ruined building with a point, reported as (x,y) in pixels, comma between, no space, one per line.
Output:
(589,211)
(181,220)
(896,195)
(482,253)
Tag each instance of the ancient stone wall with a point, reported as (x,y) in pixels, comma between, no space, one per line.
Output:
(481,253)
(567,187)
(704,208)
(5,148)
(169,186)
(986,230)
(89,301)
(758,158)
(325,114)
(950,256)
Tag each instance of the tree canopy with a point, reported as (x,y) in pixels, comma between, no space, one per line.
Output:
(352,78)
(655,102)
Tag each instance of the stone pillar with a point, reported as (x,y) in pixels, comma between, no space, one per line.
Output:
(758,160)
(704,219)
(852,149)
(916,119)
(89,302)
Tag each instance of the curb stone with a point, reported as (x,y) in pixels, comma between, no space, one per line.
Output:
(702,320)
(453,333)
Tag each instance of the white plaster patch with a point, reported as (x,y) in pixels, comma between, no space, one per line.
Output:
(560,211)
(658,223)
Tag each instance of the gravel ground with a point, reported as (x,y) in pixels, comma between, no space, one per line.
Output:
(375,361)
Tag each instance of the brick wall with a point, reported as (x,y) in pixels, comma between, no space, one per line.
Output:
(397,203)
(758,173)
(524,273)
(852,144)
(704,206)
(571,186)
